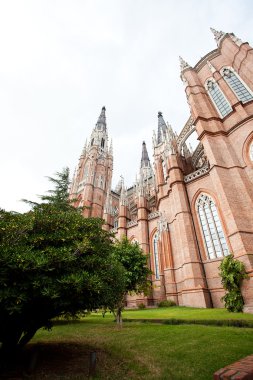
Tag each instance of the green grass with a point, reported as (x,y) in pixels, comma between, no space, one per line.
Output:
(189,313)
(145,351)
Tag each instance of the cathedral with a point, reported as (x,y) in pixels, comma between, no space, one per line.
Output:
(188,209)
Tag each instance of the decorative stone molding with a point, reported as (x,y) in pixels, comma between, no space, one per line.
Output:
(154,215)
(198,173)
(185,133)
(132,223)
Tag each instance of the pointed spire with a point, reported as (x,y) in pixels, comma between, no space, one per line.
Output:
(183,64)
(101,123)
(145,162)
(217,35)
(161,128)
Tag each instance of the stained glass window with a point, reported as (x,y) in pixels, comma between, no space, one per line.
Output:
(218,98)
(237,85)
(156,258)
(214,238)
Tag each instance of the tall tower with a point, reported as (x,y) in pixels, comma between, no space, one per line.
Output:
(92,179)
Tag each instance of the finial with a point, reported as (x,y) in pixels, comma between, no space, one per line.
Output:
(218,35)
(183,64)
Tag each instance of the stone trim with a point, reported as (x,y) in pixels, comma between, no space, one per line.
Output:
(153,215)
(132,223)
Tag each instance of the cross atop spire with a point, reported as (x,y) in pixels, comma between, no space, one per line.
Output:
(161,127)
(218,35)
(183,64)
(101,123)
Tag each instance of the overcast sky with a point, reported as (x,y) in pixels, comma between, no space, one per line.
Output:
(61,61)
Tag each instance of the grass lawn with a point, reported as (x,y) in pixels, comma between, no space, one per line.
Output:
(141,351)
(189,313)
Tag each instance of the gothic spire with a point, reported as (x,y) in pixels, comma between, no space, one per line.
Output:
(101,123)
(144,157)
(161,128)
(217,35)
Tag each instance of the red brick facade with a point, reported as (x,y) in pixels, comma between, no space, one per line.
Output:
(193,207)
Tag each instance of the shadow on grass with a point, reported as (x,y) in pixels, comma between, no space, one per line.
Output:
(65,360)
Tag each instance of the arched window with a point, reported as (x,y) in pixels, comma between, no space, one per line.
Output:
(92,142)
(251,151)
(218,98)
(215,241)
(236,84)
(116,223)
(156,258)
(102,143)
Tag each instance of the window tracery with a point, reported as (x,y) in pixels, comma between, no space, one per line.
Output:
(214,238)
(236,84)
(218,98)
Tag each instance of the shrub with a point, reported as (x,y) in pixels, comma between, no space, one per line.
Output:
(141,306)
(232,273)
(166,303)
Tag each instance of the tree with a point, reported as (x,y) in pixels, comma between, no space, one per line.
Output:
(232,273)
(53,262)
(136,274)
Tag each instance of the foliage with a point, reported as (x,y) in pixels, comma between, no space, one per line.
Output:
(141,306)
(136,272)
(166,303)
(53,262)
(232,273)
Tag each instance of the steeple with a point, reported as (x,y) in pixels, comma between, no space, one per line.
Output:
(101,123)
(161,128)
(217,35)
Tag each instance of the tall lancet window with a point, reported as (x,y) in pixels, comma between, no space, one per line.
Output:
(218,98)
(237,86)
(156,256)
(213,234)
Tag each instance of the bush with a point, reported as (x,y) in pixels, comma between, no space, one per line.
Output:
(232,273)
(141,306)
(166,303)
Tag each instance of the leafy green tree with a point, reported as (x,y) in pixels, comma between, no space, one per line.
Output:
(53,262)
(232,273)
(136,274)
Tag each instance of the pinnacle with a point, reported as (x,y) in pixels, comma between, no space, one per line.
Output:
(183,64)
(217,35)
